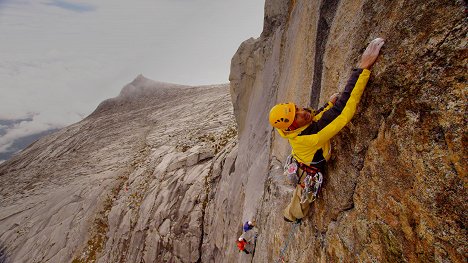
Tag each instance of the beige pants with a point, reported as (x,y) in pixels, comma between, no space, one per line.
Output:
(297,210)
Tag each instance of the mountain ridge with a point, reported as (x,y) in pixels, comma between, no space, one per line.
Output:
(62,189)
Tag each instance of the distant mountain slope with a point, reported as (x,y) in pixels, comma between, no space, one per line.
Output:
(122,185)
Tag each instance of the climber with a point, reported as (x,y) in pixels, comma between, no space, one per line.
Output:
(248,226)
(250,232)
(309,133)
(241,243)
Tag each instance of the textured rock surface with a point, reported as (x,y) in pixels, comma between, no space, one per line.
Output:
(127,184)
(155,175)
(395,190)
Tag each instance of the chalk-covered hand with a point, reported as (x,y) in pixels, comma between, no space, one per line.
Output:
(371,53)
(334,97)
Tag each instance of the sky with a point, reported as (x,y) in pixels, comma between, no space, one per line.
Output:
(60,58)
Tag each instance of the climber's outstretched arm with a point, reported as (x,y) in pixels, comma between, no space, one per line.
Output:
(341,113)
(367,60)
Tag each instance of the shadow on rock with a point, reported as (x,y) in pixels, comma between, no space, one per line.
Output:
(3,255)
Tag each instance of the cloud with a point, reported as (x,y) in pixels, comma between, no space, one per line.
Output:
(23,128)
(6,118)
(5,147)
(75,7)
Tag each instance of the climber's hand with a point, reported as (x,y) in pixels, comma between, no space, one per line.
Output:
(371,53)
(334,97)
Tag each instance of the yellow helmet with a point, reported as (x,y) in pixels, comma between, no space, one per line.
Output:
(282,115)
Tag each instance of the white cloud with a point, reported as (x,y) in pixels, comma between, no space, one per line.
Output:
(12,116)
(75,7)
(41,122)
(5,147)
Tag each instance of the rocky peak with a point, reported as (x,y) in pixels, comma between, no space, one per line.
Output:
(142,91)
(142,86)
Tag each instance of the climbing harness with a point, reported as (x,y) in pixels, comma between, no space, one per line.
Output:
(285,246)
(312,181)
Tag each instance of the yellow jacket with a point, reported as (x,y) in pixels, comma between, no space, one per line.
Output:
(319,132)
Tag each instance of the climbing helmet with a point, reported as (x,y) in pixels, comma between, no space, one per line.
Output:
(282,115)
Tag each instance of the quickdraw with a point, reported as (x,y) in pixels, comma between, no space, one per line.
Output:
(312,183)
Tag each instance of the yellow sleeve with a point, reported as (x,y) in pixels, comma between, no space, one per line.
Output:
(348,111)
(344,118)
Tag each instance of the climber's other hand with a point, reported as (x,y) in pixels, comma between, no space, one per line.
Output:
(334,97)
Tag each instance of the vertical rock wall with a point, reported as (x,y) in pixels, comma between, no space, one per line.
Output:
(395,187)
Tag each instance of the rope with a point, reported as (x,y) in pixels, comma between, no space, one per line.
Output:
(298,222)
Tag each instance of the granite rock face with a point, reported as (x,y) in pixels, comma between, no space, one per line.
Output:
(395,189)
(158,175)
(127,184)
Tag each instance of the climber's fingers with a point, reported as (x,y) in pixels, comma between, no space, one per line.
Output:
(374,46)
(371,53)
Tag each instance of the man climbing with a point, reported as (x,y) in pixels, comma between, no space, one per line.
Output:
(241,243)
(309,133)
(248,225)
(250,234)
